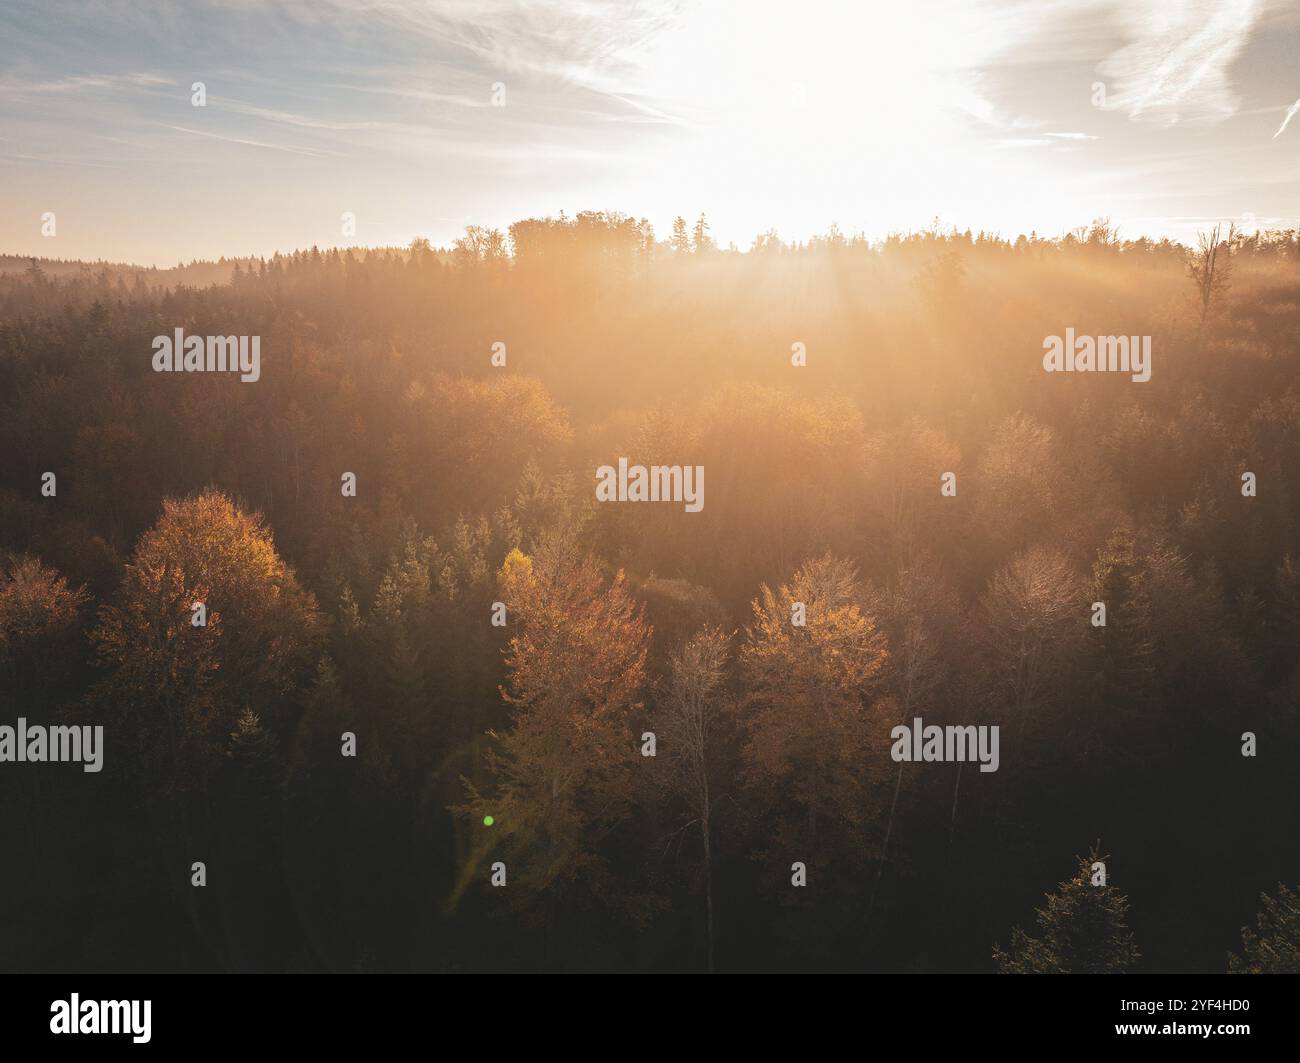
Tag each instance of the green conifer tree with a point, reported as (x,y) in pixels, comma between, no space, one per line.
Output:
(1084,930)
(1275,947)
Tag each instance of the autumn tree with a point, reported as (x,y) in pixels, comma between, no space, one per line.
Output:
(791,470)
(692,706)
(178,685)
(480,245)
(208,622)
(816,744)
(41,621)
(1030,625)
(562,771)
(461,444)
(902,474)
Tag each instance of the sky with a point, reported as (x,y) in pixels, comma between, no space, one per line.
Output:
(420,118)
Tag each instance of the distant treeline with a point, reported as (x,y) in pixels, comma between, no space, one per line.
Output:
(614,235)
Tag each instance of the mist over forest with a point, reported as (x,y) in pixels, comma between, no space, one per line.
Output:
(829,390)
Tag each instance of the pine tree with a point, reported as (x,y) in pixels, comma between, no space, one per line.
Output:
(252,901)
(702,242)
(1275,947)
(680,242)
(254,753)
(1084,930)
(1123,663)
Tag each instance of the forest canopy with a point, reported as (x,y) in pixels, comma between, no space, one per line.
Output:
(832,389)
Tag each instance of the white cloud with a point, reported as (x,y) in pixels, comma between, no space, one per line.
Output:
(1177,64)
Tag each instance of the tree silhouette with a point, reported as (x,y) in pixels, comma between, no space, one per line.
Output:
(701,242)
(1083,930)
(1274,946)
(680,242)
(1210,266)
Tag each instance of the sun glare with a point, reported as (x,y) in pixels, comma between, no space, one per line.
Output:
(867,116)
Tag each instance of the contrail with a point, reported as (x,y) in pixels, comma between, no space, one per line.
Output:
(1287,120)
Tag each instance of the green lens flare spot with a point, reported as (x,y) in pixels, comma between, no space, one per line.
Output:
(488,821)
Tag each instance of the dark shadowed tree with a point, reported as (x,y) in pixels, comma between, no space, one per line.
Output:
(692,707)
(1083,929)
(1030,626)
(176,690)
(41,651)
(1273,947)
(1210,266)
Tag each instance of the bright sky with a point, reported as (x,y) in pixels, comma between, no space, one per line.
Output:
(878,115)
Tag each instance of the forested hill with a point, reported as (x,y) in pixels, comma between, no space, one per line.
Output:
(832,392)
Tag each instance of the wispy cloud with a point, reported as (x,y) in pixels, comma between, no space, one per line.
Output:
(581,42)
(312,152)
(48,160)
(1061,141)
(1177,64)
(19,87)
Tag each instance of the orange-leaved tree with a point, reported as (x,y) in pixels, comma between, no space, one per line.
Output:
(563,773)
(817,747)
(180,675)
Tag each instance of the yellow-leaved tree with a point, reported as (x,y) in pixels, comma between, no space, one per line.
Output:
(563,773)
(208,621)
(817,721)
